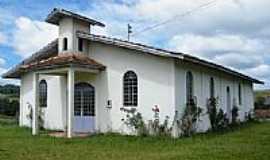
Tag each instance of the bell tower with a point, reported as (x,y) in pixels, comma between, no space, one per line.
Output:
(69,24)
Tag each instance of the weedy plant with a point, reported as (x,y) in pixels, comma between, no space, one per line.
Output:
(40,116)
(235,115)
(189,118)
(135,120)
(218,119)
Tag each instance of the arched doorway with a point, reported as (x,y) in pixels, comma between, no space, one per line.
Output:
(84,108)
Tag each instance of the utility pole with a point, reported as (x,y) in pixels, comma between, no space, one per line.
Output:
(129,31)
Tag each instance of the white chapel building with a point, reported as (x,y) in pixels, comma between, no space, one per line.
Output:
(81,81)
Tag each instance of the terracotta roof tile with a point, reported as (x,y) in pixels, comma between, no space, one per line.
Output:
(64,60)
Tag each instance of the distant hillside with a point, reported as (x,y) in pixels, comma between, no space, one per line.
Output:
(10,89)
(262,93)
(261,99)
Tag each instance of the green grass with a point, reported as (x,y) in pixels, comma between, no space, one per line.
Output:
(7,120)
(251,142)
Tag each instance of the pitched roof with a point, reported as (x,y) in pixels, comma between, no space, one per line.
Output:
(64,60)
(164,53)
(49,50)
(57,14)
(129,45)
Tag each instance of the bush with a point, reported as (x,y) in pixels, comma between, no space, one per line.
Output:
(235,115)
(134,119)
(212,112)
(250,116)
(159,129)
(218,119)
(9,108)
(222,122)
(260,103)
(189,119)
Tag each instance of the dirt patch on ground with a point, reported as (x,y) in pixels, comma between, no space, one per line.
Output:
(262,113)
(64,134)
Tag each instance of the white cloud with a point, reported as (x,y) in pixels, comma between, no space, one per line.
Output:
(2,71)
(238,61)
(226,16)
(214,47)
(2,61)
(261,71)
(234,32)
(30,36)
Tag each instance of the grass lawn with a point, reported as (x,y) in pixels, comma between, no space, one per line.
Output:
(248,143)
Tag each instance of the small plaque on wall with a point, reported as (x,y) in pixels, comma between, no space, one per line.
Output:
(109,103)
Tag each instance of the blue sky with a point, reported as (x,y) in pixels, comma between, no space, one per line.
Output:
(228,32)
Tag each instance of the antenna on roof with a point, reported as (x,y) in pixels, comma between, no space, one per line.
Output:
(129,31)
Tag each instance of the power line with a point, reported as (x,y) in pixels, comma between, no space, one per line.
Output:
(200,7)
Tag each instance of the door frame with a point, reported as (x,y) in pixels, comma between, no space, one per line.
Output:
(93,129)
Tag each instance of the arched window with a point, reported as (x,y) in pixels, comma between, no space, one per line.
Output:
(212,87)
(228,99)
(65,44)
(130,89)
(240,94)
(43,93)
(189,87)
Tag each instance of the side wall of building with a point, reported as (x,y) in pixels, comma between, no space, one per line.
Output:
(201,85)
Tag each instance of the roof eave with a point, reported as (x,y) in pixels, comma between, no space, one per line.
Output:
(164,53)
(129,45)
(57,13)
(221,68)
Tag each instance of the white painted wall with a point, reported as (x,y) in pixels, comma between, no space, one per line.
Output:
(67,29)
(55,113)
(202,77)
(155,82)
(26,98)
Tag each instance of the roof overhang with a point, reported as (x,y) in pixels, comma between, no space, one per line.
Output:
(129,45)
(63,60)
(49,50)
(221,68)
(164,53)
(57,14)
